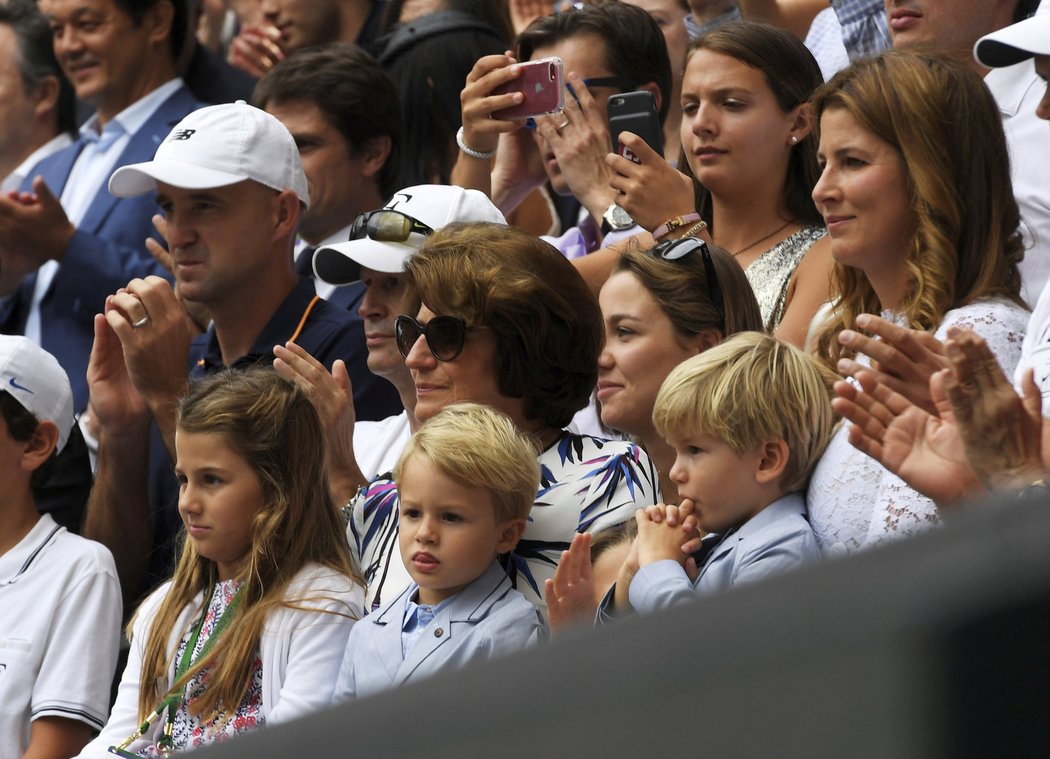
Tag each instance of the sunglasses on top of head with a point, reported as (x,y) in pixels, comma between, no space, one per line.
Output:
(676,250)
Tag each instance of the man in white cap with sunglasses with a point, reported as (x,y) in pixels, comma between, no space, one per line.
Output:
(229,181)
(381,242)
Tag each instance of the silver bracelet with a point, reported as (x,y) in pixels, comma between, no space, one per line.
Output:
(481,156)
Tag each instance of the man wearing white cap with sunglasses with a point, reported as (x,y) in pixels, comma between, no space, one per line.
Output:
(380,243)
(229,180)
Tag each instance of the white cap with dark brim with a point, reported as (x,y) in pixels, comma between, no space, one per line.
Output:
(1015,43)
(434,205)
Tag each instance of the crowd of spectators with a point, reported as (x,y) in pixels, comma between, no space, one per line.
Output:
(321,375)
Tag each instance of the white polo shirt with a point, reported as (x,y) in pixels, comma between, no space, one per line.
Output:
(59,632)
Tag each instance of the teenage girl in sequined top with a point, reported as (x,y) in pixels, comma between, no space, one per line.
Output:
(747,140)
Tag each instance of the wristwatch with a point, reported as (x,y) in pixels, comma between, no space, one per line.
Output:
(615,219)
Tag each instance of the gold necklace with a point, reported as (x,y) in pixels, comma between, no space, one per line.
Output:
(779,229)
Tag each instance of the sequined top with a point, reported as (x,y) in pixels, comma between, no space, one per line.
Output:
(192,731)
(770,273)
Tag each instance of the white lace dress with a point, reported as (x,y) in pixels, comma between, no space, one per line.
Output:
(854,502)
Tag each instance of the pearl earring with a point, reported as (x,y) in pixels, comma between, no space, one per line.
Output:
(794,140)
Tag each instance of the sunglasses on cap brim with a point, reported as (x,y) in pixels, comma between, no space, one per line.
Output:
(387,225)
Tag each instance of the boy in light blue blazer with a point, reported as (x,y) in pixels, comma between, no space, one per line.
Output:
(748,420)
(467,480)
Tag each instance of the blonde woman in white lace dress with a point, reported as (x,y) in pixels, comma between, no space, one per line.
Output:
(916,195)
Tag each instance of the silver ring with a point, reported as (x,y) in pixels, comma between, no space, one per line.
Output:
(562,125)
(141,322)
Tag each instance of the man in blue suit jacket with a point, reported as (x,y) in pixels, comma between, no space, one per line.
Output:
(66,242)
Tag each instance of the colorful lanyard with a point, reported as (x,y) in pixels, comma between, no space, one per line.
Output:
(171,703)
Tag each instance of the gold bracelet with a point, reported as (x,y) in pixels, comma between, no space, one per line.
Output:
(700,226)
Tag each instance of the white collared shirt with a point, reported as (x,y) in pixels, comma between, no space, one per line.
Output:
(1018,90)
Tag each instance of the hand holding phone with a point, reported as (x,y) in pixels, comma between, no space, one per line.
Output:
(542,85)
(635,112)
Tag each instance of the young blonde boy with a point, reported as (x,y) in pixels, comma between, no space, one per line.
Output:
(748,420)
(467,480)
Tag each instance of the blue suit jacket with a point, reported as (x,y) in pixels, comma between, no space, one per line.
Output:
(486,619)
(106,251)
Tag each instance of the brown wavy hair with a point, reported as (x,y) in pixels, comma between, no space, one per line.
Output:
(273,426)
(547,322)
(945,126)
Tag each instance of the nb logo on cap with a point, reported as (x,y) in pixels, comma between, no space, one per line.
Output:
(182,134)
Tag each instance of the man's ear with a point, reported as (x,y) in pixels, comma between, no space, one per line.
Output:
(40,446)
(289,212)
(374,154)
(46,94)
(773,460)
(159,17)
(510,533)
(654,88)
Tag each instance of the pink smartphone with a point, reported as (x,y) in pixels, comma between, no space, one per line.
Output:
(543,84)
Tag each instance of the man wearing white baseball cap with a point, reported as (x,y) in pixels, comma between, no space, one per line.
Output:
(380,243)
(1019,42)
(1009,46)
(952,27)
(230,183)
(61,599)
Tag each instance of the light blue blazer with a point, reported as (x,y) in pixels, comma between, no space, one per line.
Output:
(485,620)
(774,540)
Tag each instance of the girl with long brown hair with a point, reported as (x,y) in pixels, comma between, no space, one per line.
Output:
(253,625)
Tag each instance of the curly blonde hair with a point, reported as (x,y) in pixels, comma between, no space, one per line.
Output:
(945,126)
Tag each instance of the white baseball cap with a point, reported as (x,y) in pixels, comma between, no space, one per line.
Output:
(1015,43)
(33,377)
(218,146)
(432,204)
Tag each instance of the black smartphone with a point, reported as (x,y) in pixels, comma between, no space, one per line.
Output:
(635,112)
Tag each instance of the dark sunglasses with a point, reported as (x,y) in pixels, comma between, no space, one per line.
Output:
(444,334)
(675,250)
(387,225)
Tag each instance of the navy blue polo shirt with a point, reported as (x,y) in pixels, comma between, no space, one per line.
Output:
(326,332)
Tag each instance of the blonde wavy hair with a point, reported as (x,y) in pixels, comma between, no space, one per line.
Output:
(479,447)
(271,425)
(749,389)
(946,128)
